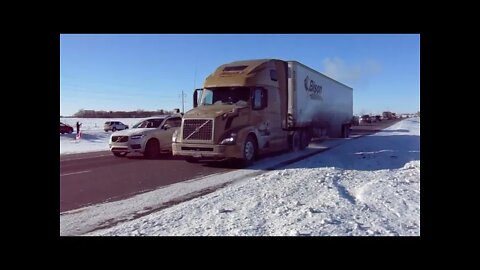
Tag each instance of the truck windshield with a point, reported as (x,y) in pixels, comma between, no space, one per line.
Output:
(225,95)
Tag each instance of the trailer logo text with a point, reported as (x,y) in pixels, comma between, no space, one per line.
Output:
(314,89)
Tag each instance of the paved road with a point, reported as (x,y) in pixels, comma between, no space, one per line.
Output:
(92,178)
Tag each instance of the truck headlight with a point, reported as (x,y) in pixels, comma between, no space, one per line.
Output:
(137,136)
(174,136)
(230,140)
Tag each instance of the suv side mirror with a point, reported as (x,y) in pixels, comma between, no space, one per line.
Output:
(166,126)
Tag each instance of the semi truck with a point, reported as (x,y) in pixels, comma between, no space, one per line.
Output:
(253,107)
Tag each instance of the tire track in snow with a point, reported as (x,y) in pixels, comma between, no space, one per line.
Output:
(342,191)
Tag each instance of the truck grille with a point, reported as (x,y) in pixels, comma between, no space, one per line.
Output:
(197,129)
(119,139)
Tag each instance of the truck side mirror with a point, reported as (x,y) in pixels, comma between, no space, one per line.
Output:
(195,97)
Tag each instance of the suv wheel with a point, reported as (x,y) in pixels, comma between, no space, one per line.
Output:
(152,150)
(119,154)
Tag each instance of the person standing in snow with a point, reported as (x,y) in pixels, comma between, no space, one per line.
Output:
(78,126)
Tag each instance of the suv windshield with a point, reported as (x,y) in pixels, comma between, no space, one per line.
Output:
(149,123)
(225,95)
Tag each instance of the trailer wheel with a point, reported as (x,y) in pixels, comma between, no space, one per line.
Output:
(345,131)
(295,141)
(304,139)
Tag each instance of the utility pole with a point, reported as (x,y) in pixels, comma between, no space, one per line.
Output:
(183,102)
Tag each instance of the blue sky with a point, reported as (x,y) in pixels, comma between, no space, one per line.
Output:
(149,72)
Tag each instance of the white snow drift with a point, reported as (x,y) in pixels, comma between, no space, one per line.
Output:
(93,137)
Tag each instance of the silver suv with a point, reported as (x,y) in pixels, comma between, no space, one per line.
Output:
(114,126)
(150,137)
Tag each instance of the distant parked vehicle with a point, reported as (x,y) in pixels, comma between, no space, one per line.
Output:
(388,115)
(365,119)
(114,126)
(64,128)
(378,118)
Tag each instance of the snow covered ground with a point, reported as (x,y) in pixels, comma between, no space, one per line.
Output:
(367,186)
(93,138)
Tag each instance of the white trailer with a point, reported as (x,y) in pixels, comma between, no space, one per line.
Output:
(318,102)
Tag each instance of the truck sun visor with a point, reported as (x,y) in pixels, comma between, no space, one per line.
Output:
(234,68)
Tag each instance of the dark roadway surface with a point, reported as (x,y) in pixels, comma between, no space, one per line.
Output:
(92,178)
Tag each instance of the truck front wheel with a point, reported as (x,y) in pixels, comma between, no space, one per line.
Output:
(249,151)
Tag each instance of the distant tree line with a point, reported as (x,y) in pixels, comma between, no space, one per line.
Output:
(120,114)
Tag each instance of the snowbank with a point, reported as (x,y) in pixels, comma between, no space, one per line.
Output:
(93,137)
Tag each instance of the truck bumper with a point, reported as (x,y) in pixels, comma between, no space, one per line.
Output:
(207,151)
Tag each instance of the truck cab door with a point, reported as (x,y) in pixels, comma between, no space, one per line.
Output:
(267,118)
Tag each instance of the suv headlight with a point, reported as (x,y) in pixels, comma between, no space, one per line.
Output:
(175,136)
(230,140)
(137,136)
